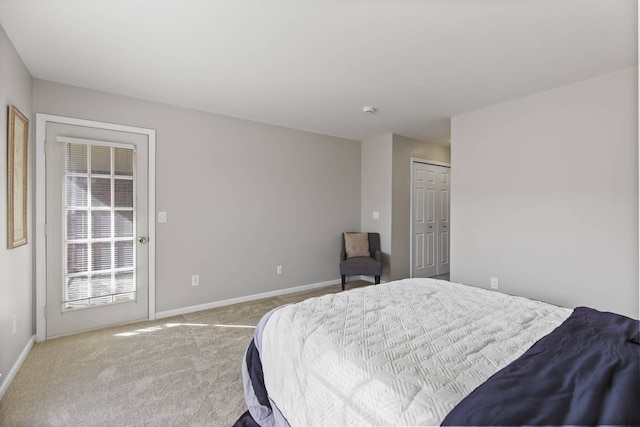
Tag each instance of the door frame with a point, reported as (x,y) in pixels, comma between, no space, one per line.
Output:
(40,210)
(413,160)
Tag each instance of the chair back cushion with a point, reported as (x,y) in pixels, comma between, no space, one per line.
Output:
(356,244)
(374,243)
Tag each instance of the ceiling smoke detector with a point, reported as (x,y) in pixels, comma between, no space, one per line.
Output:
(368,110)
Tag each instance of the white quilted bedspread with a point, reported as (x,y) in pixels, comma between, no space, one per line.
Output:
(400,353)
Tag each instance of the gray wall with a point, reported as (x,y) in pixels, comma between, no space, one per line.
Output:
(241,197)
(376,192)
(386,172)
(545,195)
(16,265)
(403,150)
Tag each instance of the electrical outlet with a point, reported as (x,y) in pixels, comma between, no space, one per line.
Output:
(14,325)
(195,280)
(494,283)
(279,269)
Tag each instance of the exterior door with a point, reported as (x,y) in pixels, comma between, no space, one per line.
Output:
(96,228)
(430,219)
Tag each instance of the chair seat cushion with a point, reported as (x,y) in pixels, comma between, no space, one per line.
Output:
(361,265)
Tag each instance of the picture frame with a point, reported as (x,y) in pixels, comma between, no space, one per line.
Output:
(17,172)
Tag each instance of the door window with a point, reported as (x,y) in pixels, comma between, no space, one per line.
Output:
(99,225)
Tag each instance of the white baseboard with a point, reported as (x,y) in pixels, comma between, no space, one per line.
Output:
(215,304)
(16,366)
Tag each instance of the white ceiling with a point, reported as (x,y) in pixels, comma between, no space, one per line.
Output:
(313,65)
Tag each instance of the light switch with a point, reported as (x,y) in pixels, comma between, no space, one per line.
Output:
(162,217)
(376,215)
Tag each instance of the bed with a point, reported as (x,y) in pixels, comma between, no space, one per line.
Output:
(431,352)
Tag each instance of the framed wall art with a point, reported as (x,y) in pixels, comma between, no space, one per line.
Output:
(17,156)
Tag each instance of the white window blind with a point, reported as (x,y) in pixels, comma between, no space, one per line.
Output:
(99,229)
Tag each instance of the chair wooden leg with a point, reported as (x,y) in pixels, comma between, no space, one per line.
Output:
(377,280)
(344,281)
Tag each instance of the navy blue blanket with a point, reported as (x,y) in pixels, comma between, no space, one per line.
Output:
(586,372)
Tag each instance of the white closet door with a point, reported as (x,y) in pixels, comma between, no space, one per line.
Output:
(443,197)
(430,219)
(424,221)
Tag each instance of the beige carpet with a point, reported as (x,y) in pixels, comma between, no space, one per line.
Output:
(183,370)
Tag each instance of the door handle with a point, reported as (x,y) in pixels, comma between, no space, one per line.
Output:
(142,239)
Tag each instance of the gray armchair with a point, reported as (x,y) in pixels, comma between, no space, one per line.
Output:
(370,265)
